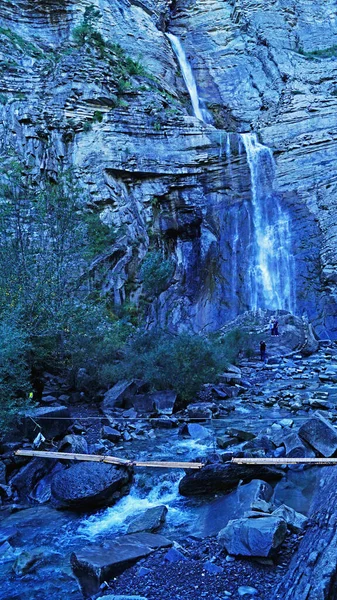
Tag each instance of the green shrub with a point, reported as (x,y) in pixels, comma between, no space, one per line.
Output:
(156,272)
(330,52)
(238,342)
(134,67)
(182,363)
(14,368)
(99,236)
(98,116)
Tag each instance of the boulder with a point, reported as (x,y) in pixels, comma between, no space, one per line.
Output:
(231,378)
(111,434)
(29,475)
(195,431)
(151,520)
(53,421)
(224,441)
(253,537)
(295,520)
(223,477)
(243,435)
(200,410)
(26,561)
(260,493)
(164,402)
(89,485)
(92,566)
(261,442)
(320,434)
(8,534)
(142,403)
(74,443)
(118,394)
(163,422)
(42,490)
(295,448)
(155,402)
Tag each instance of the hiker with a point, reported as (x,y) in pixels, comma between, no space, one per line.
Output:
(263,350)
(271,325)
(276,327)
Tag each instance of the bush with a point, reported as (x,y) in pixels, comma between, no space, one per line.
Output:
(156,272)
(14,369)
(182,362)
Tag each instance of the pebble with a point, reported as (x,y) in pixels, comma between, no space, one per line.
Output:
(212,568)
(244,590)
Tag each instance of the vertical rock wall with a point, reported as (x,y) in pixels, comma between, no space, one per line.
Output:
(162,178)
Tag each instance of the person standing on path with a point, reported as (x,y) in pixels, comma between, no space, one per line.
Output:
(263,348)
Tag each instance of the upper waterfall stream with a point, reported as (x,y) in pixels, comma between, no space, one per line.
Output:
(271,273)
(189,79)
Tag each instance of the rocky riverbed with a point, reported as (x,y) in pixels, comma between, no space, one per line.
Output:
(225,531)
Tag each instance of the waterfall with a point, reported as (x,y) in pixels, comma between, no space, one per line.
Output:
(271,273)
(188,76)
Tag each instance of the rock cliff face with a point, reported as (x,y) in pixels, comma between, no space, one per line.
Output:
(157,174)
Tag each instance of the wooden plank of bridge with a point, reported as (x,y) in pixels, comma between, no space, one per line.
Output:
(284,461)
(109,459)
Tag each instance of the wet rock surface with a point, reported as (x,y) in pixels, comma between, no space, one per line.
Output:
(89,485)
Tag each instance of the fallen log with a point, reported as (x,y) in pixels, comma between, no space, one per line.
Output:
(312,574)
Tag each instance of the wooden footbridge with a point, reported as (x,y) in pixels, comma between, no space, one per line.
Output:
(113,460)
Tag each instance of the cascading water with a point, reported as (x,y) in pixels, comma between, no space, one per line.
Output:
(271,273)
(189,79)
(270,280)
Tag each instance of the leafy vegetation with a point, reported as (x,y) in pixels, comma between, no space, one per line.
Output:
(156,272)
(123,65)
(21,44)
(14,367)
(322,53)
(178,362)
(54,315)
(46,288)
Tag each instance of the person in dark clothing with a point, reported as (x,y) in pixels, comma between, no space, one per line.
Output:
(276,327)
(263,348)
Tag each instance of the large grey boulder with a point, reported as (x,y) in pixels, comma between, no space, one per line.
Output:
(151,520)
(164,402)
(29,475)
(89,485)
(200,410)
(260,493)
(74,443)
(118,395)
(92,566)
(295,520)
(195,431)
(320,434)
(223,477)
(153,402)
(253,537)
(111,434)
(295,448)
(52,421)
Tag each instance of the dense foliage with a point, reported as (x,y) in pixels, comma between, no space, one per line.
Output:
(54,316)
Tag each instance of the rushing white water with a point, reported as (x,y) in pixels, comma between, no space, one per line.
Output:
(188,76)
(271,273)
(149,490)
